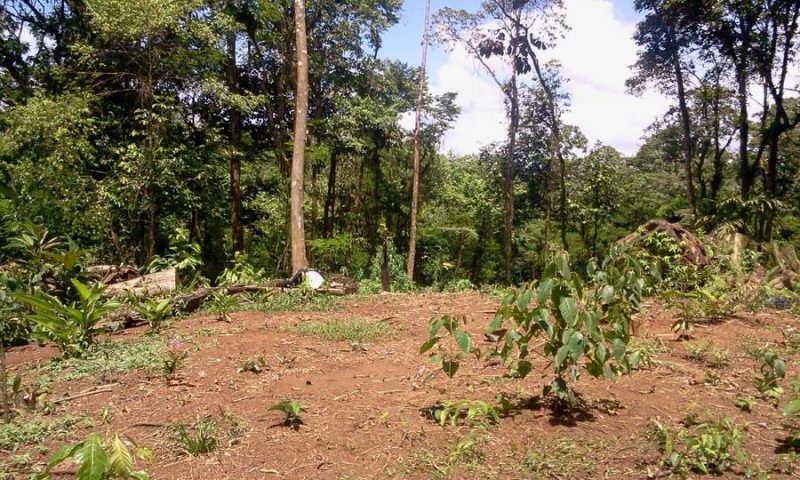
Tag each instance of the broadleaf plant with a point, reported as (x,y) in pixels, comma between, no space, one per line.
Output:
(448,356)
(100,459)
(585,324)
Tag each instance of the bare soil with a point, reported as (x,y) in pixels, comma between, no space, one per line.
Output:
(364,406)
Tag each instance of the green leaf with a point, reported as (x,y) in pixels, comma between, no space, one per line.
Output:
(524,367)
(120,459)
(607,294)
(576,345)
(435,326)
(450,367)
(92,458)
(791,408)
(496,322)
(463,340)
(561,355)
(428,344)
(524,300)
(562,263)
(63,453)
(543,291)
(569,310)
(83,290)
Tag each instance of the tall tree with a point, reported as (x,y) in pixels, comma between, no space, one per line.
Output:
(504,28)
(297,228)
(412,235)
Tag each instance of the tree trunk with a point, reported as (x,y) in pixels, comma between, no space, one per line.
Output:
(746,173)
(508,177)
(237,232)
(330,198)
(688,149)
(4,383)
(297,229)
(412,233)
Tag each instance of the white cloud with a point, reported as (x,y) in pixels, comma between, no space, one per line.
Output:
(595,56)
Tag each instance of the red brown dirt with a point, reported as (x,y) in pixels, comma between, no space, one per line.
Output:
(364,408)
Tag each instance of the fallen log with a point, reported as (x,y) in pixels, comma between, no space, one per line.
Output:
(156,283)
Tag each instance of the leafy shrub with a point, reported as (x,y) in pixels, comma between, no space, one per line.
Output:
(72,328)
(100,459)
(184,255)
(578,319)
(241,272)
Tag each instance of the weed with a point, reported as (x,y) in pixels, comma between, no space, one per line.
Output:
(771,370)
(175,356)
(154,311)
(468,412)
(254,365)
(643,352)
(30,429)
(203,439)
(357,330)
(745,403)
(698,351)
(720,358)
(223,305)
(706,448)
(292,410)
(562,458)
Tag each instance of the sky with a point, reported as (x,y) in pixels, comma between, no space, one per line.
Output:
(595,55)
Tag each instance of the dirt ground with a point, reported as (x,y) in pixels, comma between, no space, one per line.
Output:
(365,404)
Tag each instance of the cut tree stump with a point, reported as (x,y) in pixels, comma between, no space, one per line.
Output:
(156,283)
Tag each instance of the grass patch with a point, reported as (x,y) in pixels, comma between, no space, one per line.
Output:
(110,358)
(295,301)
(566,457)
(27,429)
(354,331)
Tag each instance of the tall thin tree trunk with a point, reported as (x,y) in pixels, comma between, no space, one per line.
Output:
(4,383)
(297,229)
(330,198)
(688,149)
(412,234)
(508,177)
(237,232)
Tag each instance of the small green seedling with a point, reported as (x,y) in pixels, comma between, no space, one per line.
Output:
(100,459)
(253,365)
(292,410)
(223,304)
(745,403)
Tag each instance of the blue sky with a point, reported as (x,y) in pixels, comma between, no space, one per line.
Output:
(595,55)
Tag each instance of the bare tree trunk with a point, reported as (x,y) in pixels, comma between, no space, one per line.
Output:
(508,177)
(330,198)
(237,232)
(4,383)
(297,229)
(688,149)
(412,234)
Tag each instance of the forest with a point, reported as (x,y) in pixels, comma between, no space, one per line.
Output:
(236,142)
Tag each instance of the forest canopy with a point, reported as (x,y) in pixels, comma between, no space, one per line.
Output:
(143,130)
